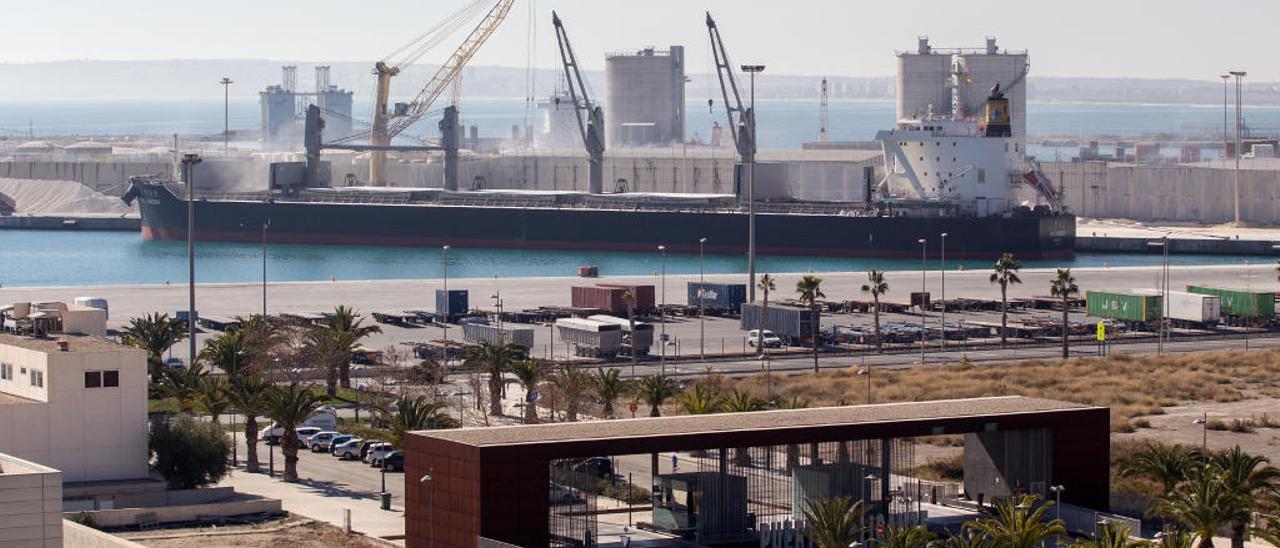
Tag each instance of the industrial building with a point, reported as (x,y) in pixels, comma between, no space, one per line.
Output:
(743,475)
(559,124)
(644,97)
(956,82)
(283,106)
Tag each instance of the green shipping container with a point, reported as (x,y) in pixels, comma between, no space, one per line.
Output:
(1129,307)
(1238,302)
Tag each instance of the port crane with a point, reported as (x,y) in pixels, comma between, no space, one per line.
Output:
(589,116)
(390,122)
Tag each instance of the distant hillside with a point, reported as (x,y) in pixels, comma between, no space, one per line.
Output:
(80,80)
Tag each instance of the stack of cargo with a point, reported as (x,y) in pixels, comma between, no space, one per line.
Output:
(492,334)
(791,323)
(609,298)
(451,304)
(725,298)
(590,338)
(1240,303)
(1125,306)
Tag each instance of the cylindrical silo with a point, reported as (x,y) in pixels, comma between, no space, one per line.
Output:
(982,71)
(923,83)
(644,97)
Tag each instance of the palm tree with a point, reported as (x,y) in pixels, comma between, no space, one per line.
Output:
(834,523)
(249,395)
(1064,285)
(289,406)
(901,536)
(529,374)
(1269,532)
(877,287)
(183,385)
(1250,479)
(412,413)
(1109,535)
(766,284)
(700,399)
(154,333)
(344,329)
(742,401)
(227,351)
(1202,504)
(609,387)
(213,397)
(1018,522)
(1175,537)
(1005,274)
(966,538)
(809,290)
(656,390)
(573,384)
(1167,465)
(493,360)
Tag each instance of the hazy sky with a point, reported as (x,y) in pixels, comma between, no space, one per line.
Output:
(1135,38)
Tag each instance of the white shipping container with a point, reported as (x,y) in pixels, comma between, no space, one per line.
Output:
(1192,307)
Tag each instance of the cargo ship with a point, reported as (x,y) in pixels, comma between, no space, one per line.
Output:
(941,176)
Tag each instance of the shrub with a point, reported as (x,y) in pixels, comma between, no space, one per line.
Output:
(189,453)
(1141,422)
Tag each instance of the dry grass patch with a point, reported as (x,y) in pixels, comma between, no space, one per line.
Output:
(1132,386)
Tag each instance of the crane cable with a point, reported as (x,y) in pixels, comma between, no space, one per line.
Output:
(425,42)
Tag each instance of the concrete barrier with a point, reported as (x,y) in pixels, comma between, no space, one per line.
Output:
(192,512)
(1177,246)
(79,536)
(131,224)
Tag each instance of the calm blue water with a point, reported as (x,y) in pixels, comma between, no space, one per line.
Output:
(782,124)
(49,258)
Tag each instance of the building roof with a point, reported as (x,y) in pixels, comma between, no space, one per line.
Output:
(758,421)
(78,343)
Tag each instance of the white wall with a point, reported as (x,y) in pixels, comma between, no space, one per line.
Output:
(91,434)
(30,504)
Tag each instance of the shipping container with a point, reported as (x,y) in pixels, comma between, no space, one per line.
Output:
(590,338)
(1239,302)
(1191,309)
(722,297)
(487,333)
(645,296)
(641,339)
(451,304)
(1122,305)
(788,322)
(604,299)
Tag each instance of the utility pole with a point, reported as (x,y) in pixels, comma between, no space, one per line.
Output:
(923,287)
(1225,79)
(1239,74)
(190,161)
(751,182)
(944,291)
(662,339)
(226,115)
(702,309)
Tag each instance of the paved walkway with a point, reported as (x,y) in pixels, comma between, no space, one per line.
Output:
(325,501)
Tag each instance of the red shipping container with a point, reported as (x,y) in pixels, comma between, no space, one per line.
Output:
(645,296)
(606,299)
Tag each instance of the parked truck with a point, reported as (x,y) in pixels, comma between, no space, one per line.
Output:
(1194,310)
(718,298)
(492,334)
(451,304)
(1126,306)
(641,339)
(791,323)
(1240,303)
(590,338)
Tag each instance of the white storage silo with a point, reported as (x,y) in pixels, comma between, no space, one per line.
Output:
(923,82)
(644,97)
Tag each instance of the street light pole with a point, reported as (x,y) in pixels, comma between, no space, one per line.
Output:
(751,184)
(444,325)
(923,273)
(1226,78)
(265,224)
(943,271)
(1239,74)
(190,161)
(702,309)
(226,115)
(662,313)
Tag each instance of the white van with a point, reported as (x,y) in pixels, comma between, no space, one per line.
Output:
(325,418)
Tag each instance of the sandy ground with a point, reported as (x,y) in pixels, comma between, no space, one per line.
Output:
(266,535)
(39,197)
(1126,228)
(1178,425)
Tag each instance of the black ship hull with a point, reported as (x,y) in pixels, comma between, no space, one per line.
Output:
(164,216)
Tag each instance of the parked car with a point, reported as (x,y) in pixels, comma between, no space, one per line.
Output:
(175,363)
(377,453)
(320,441)
(304,433)
(347,450)
(364,448)
(339,440)
(325,418)
(770,340)
(393,462)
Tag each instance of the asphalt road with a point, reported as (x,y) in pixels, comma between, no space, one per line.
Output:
(326,473)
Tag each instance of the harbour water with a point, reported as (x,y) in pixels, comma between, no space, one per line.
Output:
(60,258)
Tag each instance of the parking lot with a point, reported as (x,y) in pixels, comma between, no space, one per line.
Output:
(331,476)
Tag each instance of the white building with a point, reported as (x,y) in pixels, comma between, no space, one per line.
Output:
(30,504)
(75,403)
